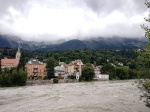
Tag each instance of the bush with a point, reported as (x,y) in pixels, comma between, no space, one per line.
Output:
(23,78)
(6,80)
(39,77)
(13,79)
(81,79)
(55,80)
(147,86)
(45,78)
(72,77)
(87,73)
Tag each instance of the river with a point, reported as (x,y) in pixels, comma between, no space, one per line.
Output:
(104,96)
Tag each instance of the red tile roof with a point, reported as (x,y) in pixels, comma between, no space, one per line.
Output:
(7,62)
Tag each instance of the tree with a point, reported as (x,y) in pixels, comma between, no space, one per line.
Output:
(144,57)
(51,63)
(108,68)
(122,73)
(13,78)
(87,73)
(0,67)
(23,60)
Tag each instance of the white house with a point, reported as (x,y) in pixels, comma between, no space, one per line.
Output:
(59,70)
(103,77)
(100,76)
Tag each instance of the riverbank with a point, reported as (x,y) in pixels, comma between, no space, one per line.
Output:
(102,96)
(47,82)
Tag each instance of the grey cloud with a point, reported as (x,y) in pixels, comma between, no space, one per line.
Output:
(107,6)
(16,4)
(100,7)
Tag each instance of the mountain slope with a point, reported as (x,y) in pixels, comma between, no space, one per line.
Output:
(99,43)
(14,42)
(93,43)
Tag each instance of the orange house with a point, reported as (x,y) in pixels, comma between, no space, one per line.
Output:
(35,69)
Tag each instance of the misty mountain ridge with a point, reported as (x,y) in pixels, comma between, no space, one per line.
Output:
(62,45)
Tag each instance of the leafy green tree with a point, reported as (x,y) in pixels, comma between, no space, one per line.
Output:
(88,73)
(133,74)
(51,63)
(144,57)
(13,78)
(0,67)
(6,80)
(122,73)
(88,65)
(23,61)
(132,65)
(108,69)
(23,78)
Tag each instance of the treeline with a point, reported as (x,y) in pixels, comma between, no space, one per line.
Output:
(96,57)
(120,72)
(107,59)
(12,77)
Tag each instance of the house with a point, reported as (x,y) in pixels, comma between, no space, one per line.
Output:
(120,64)
(35,69)
(73,67)
(98,74)
(103,77)
(97,71)
(59,71)
(9,63)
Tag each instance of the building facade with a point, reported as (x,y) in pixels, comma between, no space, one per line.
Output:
(36,69)
(98,74)
(73,67)
(59,71)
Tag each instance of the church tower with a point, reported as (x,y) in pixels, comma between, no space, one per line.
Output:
(18,55)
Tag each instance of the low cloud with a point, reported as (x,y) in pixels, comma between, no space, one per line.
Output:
(49,20)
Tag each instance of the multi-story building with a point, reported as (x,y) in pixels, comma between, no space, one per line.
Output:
(73,67)
(36,69)
(9,63)
(59,71)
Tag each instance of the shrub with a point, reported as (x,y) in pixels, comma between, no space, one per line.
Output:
(147,86)
(72,77)
(87,73)
(13,79)
(55,80)
(23,78)
(45,78)
(81,79)
(6,80)
(39,77)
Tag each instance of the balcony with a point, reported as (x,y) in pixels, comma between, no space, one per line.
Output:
(35,67)
(35,71)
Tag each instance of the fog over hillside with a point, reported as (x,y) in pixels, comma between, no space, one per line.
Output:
(48,20)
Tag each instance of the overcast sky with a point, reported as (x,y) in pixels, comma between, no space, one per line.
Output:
(62,19)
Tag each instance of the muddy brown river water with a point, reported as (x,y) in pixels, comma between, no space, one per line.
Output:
(105,96)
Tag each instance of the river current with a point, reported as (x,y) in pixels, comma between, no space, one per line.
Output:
(104,96)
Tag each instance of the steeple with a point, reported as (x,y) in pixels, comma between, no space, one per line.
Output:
(18,50)
(18,54)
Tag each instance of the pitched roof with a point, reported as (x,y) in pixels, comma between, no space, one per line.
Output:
(34,61)
(7,62)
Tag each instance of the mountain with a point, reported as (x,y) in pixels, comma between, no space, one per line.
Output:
(93,43)
(99,43)
(14,42)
